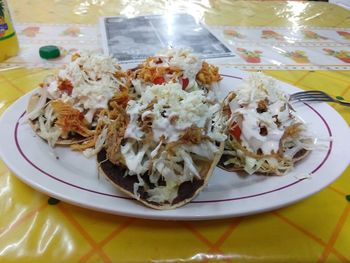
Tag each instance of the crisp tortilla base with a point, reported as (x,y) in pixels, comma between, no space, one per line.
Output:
(33,101)
(187,190)
(298,156)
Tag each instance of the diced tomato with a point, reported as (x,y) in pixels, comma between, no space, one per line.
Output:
(158,80)
(235,131)
(66,86)
(185,82)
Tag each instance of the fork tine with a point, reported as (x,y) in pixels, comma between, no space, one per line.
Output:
(314,96)
(314,99)
(307,91)
(310,94)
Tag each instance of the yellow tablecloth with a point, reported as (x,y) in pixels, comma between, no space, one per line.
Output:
(314,230)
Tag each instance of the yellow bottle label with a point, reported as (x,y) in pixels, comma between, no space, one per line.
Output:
(6,27)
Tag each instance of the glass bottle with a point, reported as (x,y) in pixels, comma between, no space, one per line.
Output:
(8,39)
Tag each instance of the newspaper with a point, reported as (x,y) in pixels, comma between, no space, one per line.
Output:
(134,39)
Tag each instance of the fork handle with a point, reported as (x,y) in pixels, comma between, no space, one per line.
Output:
(347,104)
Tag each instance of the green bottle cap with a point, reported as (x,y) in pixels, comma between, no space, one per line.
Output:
(48,52)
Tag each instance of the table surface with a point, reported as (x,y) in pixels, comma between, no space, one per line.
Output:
(317,229)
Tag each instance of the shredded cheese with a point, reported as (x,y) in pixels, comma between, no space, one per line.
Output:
(93,82)
(173,103)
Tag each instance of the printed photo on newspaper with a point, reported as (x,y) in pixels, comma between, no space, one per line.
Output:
(134,39)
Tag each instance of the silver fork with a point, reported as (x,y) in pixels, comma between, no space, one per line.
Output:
(315,95)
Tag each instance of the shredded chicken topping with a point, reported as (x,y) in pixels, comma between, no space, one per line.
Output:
(70,119)
(208,74)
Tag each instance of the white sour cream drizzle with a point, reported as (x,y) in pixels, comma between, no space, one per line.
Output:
(259,87)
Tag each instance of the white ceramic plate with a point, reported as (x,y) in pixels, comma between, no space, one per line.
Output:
(73,178)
